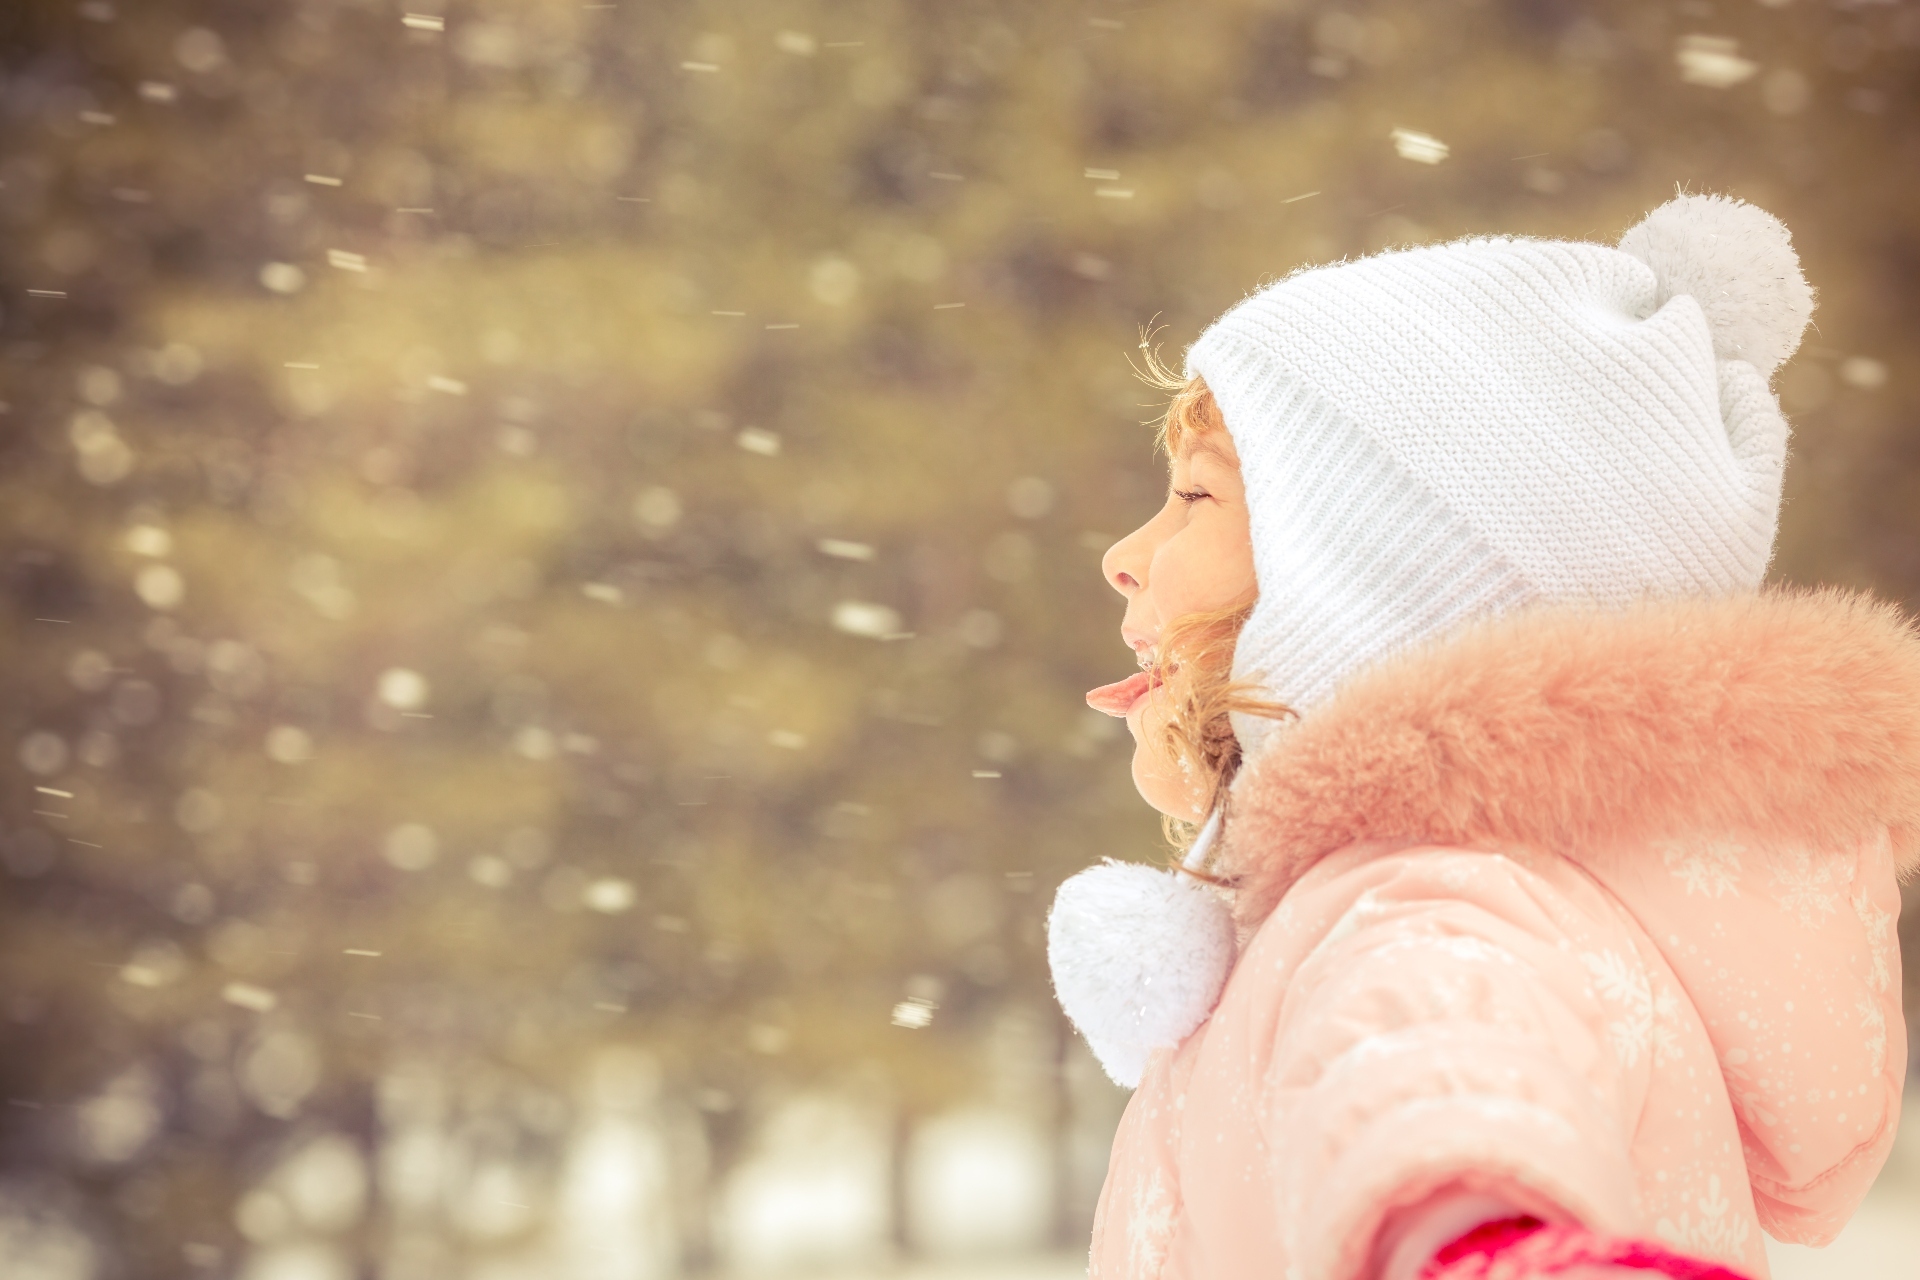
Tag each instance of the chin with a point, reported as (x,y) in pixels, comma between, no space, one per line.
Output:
(1168,795)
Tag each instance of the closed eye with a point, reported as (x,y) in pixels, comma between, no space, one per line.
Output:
(1191,496)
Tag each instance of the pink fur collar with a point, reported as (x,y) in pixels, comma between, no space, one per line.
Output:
(1791,713)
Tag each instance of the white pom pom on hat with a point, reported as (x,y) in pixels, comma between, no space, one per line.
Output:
(1737,261)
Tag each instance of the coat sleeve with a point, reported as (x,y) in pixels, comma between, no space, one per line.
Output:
(1440,1031)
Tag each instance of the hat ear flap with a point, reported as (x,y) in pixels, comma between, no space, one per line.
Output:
(1757,432)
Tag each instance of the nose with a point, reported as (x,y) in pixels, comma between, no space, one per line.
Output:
(1124,567)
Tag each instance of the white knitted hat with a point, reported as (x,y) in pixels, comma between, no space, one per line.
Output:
(1438,434)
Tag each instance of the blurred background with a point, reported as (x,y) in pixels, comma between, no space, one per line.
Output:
(550,561)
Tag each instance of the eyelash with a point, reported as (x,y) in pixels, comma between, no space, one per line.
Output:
(1191,496)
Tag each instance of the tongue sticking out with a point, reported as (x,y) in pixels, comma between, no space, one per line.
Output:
(1117,698)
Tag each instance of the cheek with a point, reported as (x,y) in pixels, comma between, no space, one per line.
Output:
(1196,573)
(1175,587)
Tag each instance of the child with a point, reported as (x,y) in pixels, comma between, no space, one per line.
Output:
(1561,858)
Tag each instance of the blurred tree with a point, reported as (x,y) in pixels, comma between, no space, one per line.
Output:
(539,525)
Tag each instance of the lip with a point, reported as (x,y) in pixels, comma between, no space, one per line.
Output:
(1122,696)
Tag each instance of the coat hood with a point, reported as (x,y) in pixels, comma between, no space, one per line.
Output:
(1784,714)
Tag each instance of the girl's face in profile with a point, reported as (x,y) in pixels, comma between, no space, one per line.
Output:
(1194,556)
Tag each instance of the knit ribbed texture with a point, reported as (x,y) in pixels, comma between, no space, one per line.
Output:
(1438,434)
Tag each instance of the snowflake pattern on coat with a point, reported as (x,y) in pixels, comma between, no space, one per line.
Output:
(1709,867)
(1883,943)
(1645,1021)
(1716,1232)
(1873,1024)
(1805,885)
(1883,957)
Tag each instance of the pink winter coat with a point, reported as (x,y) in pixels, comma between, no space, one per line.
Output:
(1591,911)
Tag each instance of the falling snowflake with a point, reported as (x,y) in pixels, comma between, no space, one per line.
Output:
(1422,148)
(1713,61)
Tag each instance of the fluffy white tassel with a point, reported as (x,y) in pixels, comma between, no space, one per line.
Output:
(1139,956)
(1736,261)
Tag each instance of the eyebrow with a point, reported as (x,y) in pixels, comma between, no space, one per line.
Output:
(1201,444)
